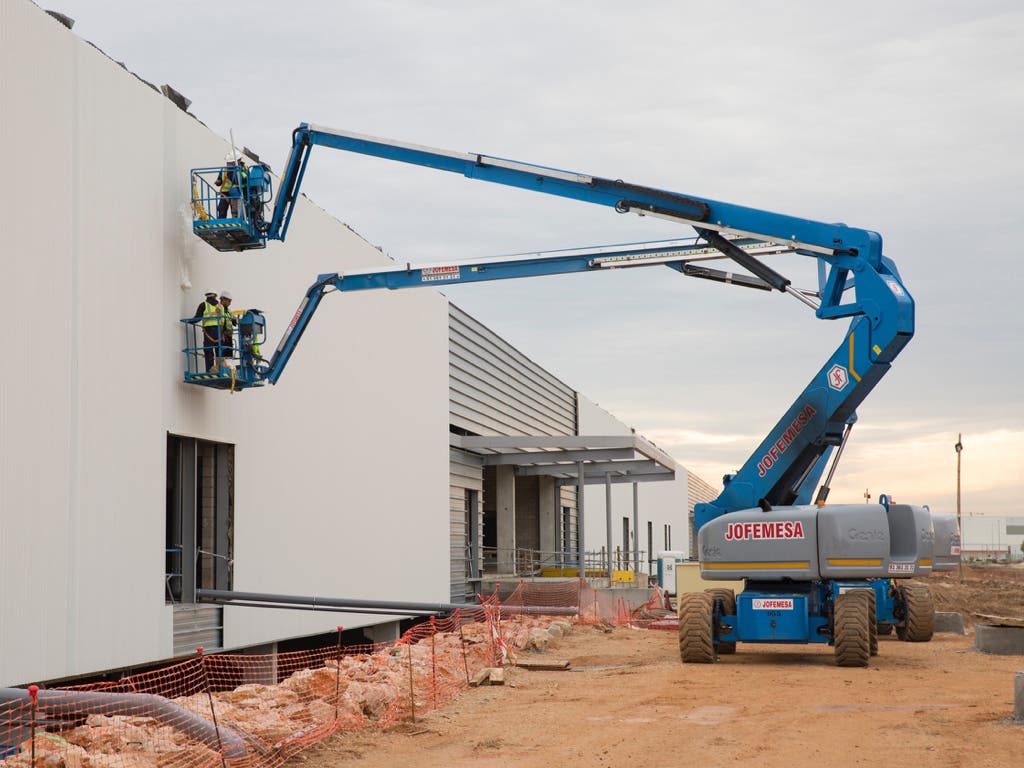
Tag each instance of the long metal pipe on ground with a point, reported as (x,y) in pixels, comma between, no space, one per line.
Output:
(66,703)
(353,605)
(324,608)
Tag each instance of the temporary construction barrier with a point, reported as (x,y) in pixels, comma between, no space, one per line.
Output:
(235,709)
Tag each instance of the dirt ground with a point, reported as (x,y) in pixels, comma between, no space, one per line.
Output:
(628,700)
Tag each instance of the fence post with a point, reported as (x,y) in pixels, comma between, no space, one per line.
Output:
(522,600)
(412,692)
(209,697)
(433,660)
(490,628)
(497,620)
(33,692)
(462,639)
(337,680)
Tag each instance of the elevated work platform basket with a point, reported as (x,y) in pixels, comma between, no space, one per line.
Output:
(228,205)
(212,361)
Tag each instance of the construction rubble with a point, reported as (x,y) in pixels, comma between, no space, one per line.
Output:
(377,687)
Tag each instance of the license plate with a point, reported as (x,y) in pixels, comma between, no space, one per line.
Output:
(901,568)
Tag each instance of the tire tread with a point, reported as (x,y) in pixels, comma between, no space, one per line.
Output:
(696,644)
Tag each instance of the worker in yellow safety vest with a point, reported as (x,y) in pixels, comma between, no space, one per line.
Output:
(210,311)
(231,182)
(227,330)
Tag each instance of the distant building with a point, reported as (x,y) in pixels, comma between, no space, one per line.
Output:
(992,538)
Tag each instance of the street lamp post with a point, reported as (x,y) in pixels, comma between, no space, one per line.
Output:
(958,448)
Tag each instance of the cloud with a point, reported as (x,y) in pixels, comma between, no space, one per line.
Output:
(912,468)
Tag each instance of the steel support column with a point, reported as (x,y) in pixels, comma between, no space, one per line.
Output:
(636,529)
(560,555)
(580,538)
(608,521)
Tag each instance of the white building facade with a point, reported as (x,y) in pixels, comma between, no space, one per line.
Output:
(340,481)
(993,538)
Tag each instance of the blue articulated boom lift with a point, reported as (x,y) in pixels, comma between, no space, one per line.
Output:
(813,572)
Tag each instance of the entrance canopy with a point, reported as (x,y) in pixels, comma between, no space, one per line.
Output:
(601,458)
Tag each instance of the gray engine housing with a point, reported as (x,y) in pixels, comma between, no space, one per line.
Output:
(947,542)
(807,543)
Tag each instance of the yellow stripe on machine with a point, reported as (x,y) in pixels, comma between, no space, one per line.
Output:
(754,566)
(852,371)
(925,562)
(854,561)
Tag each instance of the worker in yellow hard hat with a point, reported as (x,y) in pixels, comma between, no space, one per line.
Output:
(227,331)
(210,311)
(230,182)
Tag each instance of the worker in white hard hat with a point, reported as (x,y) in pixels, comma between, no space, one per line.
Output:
(227,331)
(230,181)
(210,312)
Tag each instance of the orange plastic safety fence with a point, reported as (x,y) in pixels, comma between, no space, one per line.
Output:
(656,609)
(589,605)
(251,710)
(256,711)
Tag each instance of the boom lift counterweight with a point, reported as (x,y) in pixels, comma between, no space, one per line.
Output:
(808,578)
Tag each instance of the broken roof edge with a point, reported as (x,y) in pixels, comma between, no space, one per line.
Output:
(68,23)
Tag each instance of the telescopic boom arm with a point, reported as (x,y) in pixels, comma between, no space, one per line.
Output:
(793,454)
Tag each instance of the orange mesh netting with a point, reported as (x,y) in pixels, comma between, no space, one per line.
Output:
(241,710)
(591,606)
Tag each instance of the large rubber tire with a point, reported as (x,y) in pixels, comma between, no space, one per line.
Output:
(696,639)
(919,624)
(885,629)
(851,629)
(728,598)
(872,622)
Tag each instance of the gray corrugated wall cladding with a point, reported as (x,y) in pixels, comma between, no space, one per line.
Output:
(465,474)
(698,490)
(494,389)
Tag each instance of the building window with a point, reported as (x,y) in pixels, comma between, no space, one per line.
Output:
(650,547)
(472,502)
(199,516)
(568,540)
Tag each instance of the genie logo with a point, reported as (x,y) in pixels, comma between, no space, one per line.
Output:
(866,535)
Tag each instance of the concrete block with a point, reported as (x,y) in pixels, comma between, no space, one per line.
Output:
(564,626)
(1001,641)
(949,621)
(1018,697)
(537,641)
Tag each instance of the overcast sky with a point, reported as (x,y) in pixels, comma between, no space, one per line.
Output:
(904,118)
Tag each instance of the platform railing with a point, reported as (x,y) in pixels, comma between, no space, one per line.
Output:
(523,561)
(206,196)
(242,353)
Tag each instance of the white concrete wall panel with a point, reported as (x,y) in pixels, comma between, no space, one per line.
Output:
(341,470)
(36,404)
(659,502)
